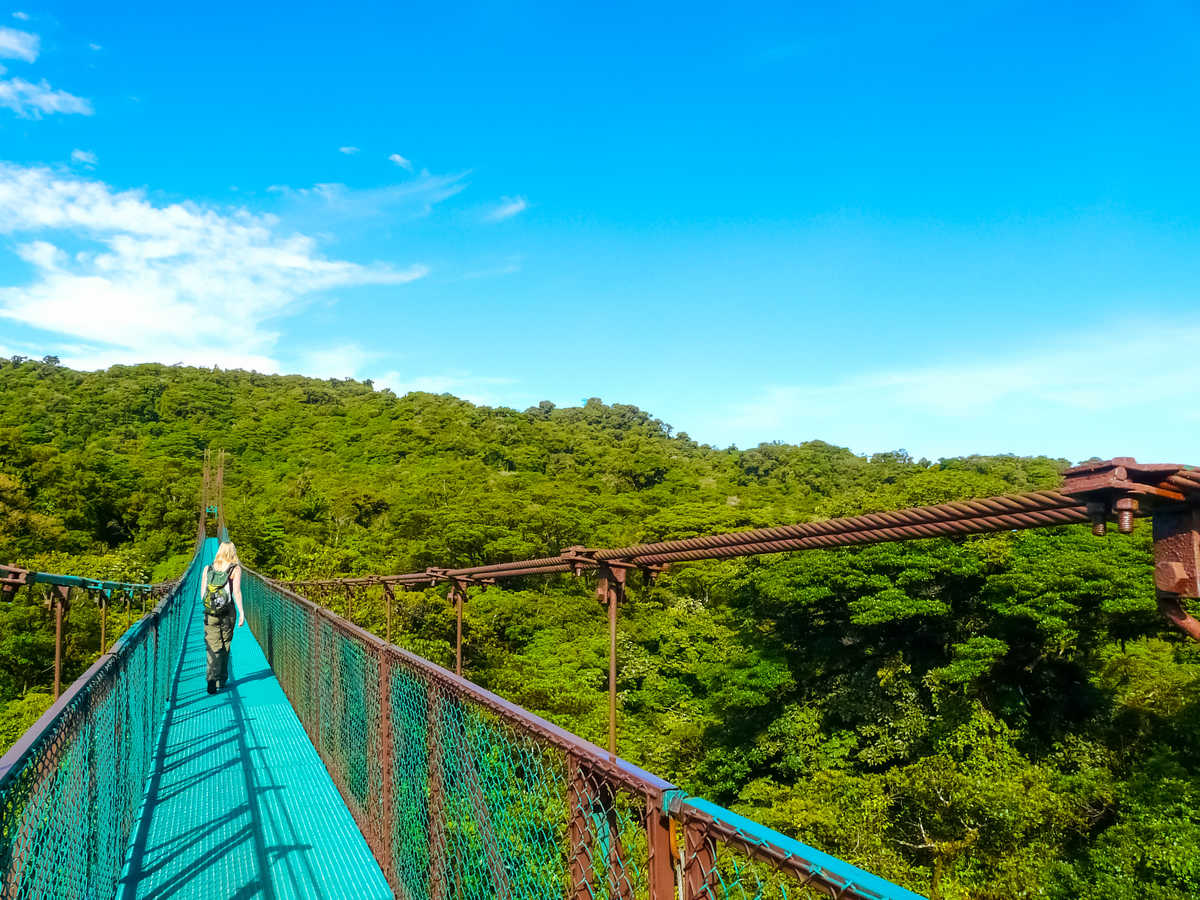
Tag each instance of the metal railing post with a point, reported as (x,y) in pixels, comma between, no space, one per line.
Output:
(437,799)
(610,590)
(661,869)
(388,598)
(579,863)
(387,811)
(700,862)
(60,598)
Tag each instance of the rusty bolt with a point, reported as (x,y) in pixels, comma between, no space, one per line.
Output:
(1099,515)
(1126,507)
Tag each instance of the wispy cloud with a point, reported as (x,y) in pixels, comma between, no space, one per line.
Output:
(95,46)
(23,16)
(349,151)
(29,99)
(33,100)
(1080,386)
(344,360)
(16,44)
(510,267)
(509,207)
(84,158)
(401,161)
(144,281)
(477,389)
(412,199)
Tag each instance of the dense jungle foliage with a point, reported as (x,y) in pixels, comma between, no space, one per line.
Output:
(992,717)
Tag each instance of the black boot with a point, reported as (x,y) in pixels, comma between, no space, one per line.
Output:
(212,687)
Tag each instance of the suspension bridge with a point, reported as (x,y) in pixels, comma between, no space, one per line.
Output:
(336,764)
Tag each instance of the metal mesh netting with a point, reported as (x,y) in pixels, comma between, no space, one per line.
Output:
(71,788)
(457,795)
(728,856)
(717,871)
(461,794)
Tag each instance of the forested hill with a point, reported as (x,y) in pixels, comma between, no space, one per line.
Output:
(991,717)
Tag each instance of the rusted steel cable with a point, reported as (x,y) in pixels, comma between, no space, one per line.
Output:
(1093,492)
(979,525)
(544,563)
(945,512)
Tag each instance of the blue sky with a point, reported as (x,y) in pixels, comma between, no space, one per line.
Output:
(949,228)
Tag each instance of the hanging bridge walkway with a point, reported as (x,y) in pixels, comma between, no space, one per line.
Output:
(335,764)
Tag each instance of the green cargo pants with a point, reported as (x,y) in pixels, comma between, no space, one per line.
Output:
(218,632)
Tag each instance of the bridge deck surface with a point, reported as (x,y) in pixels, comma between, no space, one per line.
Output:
(239,804)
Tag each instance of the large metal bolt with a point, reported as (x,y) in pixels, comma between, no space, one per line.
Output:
(1099,515)
(1125,507)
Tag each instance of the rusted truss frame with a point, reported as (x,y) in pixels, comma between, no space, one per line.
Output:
(12,578)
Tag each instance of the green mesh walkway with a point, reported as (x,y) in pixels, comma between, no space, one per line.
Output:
(239,805)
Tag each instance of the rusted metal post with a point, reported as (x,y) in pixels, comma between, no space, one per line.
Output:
(579,839)
(388,598)
(661,869)
(700,862)
(222,532)
(387,811)
(315,683)
(1177,565)
(349,602)
(436,776)
(610,590)
(202,527)
(60,597)
(458,594)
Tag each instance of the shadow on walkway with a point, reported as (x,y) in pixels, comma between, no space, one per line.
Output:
(239,804)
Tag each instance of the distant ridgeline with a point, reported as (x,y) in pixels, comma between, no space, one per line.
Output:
(983,717)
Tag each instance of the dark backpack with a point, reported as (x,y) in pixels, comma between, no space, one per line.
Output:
(218,591)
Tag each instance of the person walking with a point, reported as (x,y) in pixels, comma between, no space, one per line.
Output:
(222,596)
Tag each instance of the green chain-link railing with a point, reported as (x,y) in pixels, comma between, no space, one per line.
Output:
(71,788)
(463,795)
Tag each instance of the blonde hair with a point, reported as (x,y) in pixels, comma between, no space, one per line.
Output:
(226,556)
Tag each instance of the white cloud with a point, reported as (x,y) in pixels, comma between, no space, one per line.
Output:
(1092,387)
(509,207)
(95,46)
(349,151)
(326,202)
(145,281)
(32,101)
(401,161)
(24,17)
(345,360)
(16,44)
(477,389)
(84,158)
